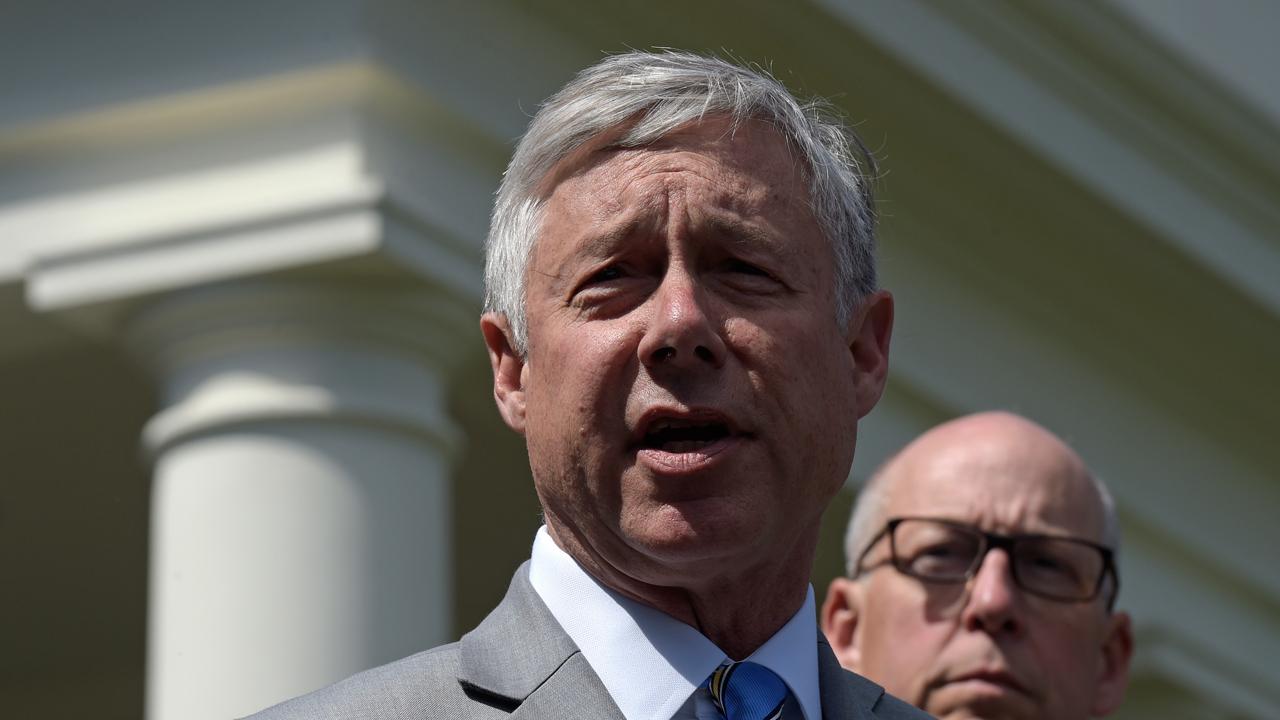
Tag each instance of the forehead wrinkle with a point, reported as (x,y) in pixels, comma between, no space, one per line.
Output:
(671,171)
(744,230)
(729,204)
(608,215)
(687,151)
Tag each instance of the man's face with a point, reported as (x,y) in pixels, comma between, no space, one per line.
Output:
(688,398)
(986,649)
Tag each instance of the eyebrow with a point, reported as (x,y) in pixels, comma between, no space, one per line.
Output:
(606,243)
(743,233)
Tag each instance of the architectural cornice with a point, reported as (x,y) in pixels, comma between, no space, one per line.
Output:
(1204,185)
(378,179)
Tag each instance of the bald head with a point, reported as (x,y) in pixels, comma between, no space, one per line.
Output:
(961,467)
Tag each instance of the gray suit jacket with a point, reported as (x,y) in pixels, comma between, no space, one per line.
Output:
(518,664)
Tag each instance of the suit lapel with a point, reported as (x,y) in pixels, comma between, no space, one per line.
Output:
(573,692)
(521,660)
(845,696)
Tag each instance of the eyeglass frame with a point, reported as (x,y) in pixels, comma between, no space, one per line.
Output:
(992,541)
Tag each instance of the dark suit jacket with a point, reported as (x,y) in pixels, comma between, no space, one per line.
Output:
(518,664)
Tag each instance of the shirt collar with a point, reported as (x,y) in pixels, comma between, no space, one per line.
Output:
(648,661)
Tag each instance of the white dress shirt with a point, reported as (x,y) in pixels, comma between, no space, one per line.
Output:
(651,663)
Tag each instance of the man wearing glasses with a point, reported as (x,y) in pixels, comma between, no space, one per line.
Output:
(982,577)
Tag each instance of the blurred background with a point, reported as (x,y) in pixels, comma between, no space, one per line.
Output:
(248,438)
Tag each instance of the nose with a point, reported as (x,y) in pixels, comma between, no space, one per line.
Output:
(993,602)
(681,333)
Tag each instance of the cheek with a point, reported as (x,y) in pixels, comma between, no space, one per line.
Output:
(813,392)
(578,367)
(801,366)
(899,644)
(576,397)
(1069,653)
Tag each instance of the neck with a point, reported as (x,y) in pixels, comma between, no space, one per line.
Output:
(738,610)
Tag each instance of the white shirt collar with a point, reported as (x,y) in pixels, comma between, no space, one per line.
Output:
(648,661)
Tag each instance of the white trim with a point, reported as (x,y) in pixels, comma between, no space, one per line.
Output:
(1029,107)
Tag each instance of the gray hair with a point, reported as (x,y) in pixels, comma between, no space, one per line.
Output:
(661,92)
(868,515)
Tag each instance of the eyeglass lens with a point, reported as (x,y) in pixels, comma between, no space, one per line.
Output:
(1058,568)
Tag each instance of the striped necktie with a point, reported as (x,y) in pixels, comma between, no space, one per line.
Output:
(747,691)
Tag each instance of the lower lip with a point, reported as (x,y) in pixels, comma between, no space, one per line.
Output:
(986,686)
(683,463)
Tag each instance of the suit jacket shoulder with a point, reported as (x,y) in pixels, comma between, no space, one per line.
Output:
(420,686)
(848,696)
(517,664)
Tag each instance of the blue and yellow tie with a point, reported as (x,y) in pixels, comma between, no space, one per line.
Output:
(747,691)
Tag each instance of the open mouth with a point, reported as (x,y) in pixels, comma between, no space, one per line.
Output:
(674,435)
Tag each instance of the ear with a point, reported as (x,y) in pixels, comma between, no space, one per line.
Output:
(1113,673)
(839,618)
(869,333)
(508,369)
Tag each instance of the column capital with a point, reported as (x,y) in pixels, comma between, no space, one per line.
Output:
(244,353)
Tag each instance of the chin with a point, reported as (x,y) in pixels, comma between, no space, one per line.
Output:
(690,532)
(982,700)
(987,709)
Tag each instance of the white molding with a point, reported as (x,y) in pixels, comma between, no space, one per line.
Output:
(1234,43)
(1033,109)
(191,204)
(385,175)
(62,282)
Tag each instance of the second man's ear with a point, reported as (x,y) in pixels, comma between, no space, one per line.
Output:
(840,613)
(1113,672)
(508,369)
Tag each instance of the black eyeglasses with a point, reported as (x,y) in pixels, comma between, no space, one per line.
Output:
(944,551)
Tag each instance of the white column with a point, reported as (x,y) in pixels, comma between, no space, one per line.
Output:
(300,507)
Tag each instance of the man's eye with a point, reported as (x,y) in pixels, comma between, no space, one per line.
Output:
(605,274)
(602,284)
(745,268)
(940,551)
(941,559)
(1048,564)
(944,551)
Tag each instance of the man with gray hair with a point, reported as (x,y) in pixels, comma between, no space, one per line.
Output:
(683,322)
(982,577)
